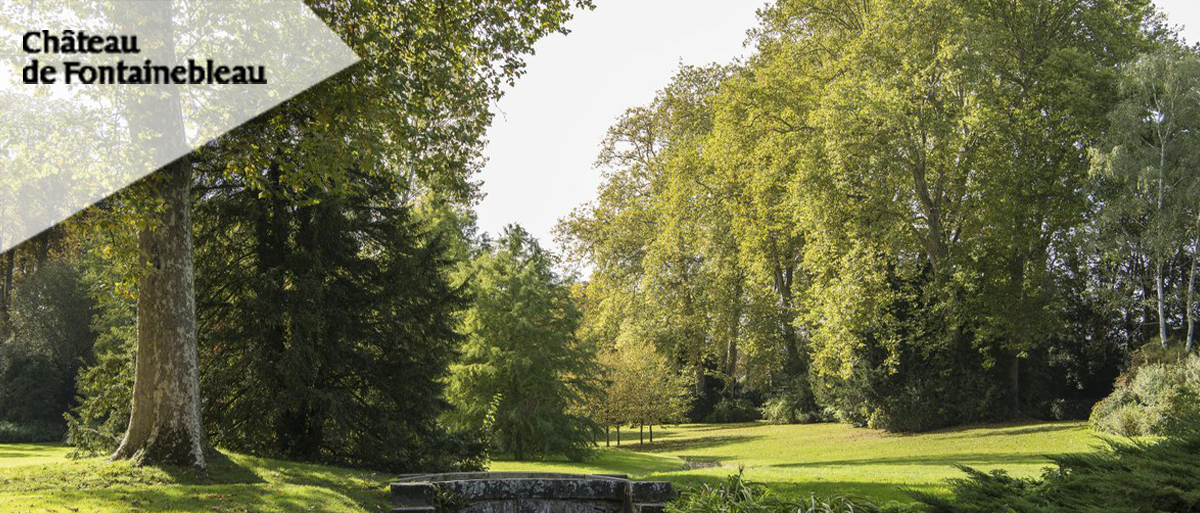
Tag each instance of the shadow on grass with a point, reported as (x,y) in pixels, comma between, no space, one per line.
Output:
(947,460)
(616,460)
(691,444)
(877,493)
(1009,429)
(178,498)
(230,484)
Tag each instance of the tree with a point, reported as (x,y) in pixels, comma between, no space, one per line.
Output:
(51,340)
(328,324)
(1150,154)
(417,107)
(522,368)
(164,425)
(888,198)
(641,388)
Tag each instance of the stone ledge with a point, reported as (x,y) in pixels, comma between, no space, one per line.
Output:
(532,492)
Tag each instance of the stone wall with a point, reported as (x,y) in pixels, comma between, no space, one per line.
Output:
(528,492)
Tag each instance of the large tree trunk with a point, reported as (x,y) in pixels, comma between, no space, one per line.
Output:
(165,423)
(165,426)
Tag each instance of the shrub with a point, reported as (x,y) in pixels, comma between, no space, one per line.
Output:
(733,409)
(1127,477)
(794,405)
(1153,399)
(737,495)
(30,433)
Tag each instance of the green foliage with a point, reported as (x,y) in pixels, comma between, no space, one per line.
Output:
(1127,477)
(30,432)
(51,339)
(1155,399)
(1148,163)
(327,323)
(731,410)
(680,263)
(737,495)
(891,199)
(793,404)
(637,387)
(325,311)
(105,388)
(522,370)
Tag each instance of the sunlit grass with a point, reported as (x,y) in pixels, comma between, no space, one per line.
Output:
(40,478)
(31,454)
(825,459)
(828,459)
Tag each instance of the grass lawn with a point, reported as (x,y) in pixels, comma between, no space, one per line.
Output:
(826,459)
(39,478)
(831,459)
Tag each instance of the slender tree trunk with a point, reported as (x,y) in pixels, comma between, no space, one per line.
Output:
(1017,277)
(651,434)
(607,441)
(1158,268)
(165,425)
(1191,293)
(618,435)
(6,298)
(1014,377)
(1162,317)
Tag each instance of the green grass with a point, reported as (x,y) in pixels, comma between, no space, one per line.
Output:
(39,478)
(831,459)
(825,459)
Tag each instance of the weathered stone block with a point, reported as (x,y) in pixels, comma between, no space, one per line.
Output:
(649,508)
(651,491)
(530,492)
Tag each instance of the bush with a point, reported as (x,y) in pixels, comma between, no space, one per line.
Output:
(30,433)
(1127,477)
(1154,399)
(795,405)
(733,409)
(736,495)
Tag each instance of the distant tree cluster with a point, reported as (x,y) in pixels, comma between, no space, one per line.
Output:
(640,388)
(906,215)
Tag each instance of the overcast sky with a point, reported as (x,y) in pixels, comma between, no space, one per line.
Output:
(549,126)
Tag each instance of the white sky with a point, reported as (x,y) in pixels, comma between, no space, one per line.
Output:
(548,128)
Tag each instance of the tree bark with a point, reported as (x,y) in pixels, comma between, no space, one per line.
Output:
(1191,293)
(1158,268)
(165,425)
(1017,280)
(6,298)
(651,434)
(1014,377)
(1162,317)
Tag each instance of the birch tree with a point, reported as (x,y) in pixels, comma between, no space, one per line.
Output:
(1151,153)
